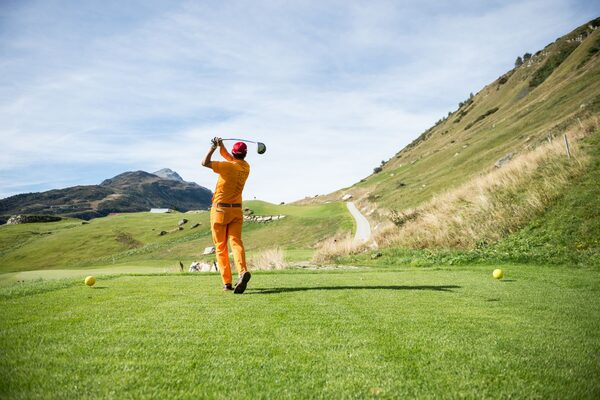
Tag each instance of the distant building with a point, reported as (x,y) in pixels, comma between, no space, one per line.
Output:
(160,210)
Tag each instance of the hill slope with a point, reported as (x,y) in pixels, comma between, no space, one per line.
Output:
(555,92)
(127,192)
(514,114)
(134,238)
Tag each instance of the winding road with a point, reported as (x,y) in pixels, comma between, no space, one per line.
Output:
(363,229)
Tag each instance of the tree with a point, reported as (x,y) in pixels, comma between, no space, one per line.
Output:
(526,56)
(518,61)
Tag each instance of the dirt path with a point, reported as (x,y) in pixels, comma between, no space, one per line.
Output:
(363,229)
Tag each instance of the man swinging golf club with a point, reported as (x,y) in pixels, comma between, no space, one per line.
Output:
(226,215)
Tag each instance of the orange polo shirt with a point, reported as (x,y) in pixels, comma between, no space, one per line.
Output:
(232,178)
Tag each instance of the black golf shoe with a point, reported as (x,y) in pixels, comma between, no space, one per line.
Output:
(227,287)
(240,287)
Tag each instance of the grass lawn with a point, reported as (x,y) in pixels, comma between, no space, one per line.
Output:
(414,332)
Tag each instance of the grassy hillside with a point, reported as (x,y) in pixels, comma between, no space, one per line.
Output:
(569,231)
(508,115)
(444,190)
(134,238)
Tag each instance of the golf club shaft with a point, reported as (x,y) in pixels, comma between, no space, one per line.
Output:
(260,147)
(240,140)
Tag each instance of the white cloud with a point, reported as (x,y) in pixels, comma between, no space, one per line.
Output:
(332,88)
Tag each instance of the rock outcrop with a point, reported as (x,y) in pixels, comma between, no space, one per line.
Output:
(263,218)
(167,173)
(504,160)
(28,219)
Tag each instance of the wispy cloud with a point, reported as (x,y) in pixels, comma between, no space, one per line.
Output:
(331,87)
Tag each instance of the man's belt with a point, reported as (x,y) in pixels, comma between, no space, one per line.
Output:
(229,204)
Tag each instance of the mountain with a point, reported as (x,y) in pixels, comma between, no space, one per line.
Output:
(498,164)
(128,192)
(167,173)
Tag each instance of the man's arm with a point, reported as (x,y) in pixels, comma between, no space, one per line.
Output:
(224,153)
(206,162)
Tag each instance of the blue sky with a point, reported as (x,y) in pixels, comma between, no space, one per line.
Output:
(91,89)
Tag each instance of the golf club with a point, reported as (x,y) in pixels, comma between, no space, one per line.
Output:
(260,147)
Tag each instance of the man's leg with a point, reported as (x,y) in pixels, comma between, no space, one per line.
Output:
(219,234)
(239,254)
(237,245)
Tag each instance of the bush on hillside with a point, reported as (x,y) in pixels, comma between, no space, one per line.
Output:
(595,48)
(399,218)
(518,62)
(504,78)
(482,116)
(551,64)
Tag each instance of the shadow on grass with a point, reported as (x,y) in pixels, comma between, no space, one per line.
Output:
(435,288)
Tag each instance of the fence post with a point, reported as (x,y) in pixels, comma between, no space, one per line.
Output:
(567,146)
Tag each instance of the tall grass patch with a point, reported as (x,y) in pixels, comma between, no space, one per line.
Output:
(337,246)
(491,206)
(272,258)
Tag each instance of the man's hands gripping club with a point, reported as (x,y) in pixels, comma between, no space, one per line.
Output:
(215,142)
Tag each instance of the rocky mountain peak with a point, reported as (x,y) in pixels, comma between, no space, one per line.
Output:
(167,173)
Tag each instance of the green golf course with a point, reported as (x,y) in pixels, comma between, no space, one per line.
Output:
(363,333)
(131,242)
(509,180)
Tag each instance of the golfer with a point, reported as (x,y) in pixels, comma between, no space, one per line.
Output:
(226,215)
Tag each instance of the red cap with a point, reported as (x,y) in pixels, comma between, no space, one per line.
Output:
(240,148)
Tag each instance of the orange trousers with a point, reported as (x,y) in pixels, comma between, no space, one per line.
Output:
(226,224)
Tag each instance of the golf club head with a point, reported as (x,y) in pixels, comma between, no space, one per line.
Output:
(261,148)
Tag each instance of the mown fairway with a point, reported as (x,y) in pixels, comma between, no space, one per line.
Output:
(425,333)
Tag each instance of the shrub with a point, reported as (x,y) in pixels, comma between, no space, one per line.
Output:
(518,61)
(550,65)
(590,53)
(482,116)
(399,218)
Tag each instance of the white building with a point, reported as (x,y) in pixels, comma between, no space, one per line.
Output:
(160,210)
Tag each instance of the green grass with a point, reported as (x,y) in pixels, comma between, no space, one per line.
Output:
(566,233)
(569,231)
(417,333)
(134,238)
